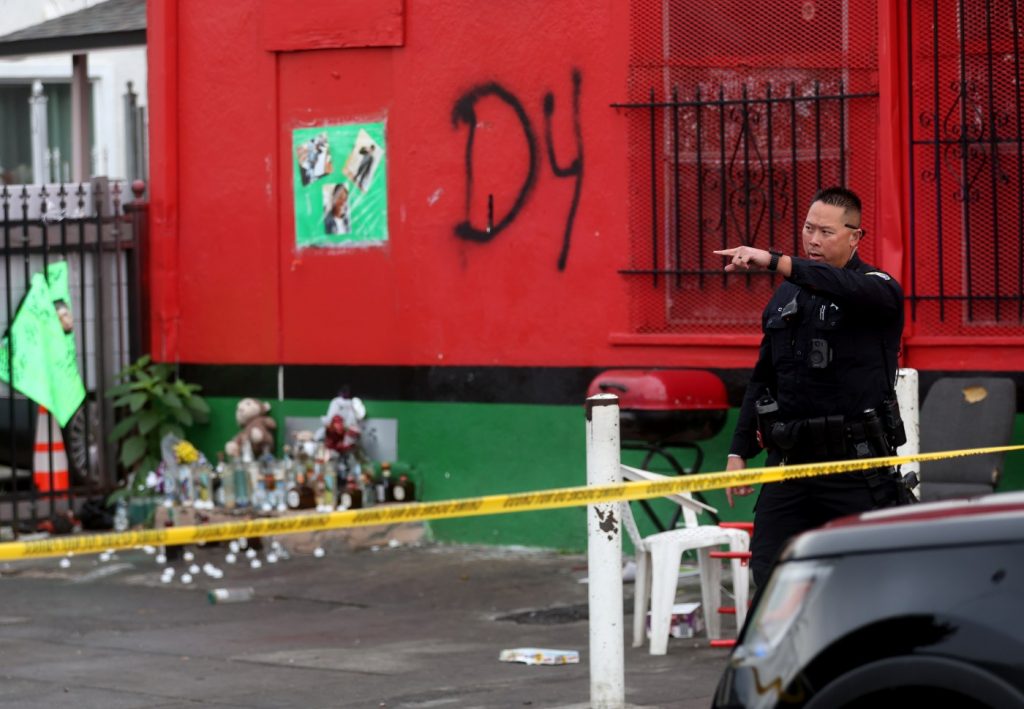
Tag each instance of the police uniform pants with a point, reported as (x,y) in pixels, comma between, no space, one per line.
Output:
(787,508)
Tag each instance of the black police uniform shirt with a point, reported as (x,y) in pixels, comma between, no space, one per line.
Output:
(857,311)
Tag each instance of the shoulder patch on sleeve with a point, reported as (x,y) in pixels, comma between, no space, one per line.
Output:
(884,276)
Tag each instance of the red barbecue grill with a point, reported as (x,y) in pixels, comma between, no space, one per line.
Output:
(661,409)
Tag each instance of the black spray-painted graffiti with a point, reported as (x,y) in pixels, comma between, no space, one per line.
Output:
(465,112)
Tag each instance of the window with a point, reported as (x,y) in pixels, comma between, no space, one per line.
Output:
(16,138)
(966,170)
(738,112)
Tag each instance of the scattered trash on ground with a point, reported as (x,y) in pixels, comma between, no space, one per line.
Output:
(540,656)
(687,621)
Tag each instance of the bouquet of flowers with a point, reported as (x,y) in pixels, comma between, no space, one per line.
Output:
(186,453)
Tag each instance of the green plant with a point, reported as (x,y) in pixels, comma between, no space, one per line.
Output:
(151,401)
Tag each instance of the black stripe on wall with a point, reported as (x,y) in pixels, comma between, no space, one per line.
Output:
(517,385)
(489,385)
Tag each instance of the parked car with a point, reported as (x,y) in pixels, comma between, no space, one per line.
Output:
(909,607)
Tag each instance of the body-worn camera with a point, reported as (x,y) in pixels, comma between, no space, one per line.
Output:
(819,354)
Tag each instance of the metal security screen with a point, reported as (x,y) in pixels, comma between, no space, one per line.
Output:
(738,112)
(967,203)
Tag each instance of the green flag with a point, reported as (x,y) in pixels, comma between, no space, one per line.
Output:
(45,363)
(57,279)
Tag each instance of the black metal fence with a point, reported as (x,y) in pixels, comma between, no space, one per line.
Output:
(101,238)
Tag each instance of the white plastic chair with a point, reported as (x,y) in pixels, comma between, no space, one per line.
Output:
(659,556)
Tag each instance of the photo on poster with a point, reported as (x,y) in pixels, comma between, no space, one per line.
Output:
(336,215)
(314,158)
(363,160)
(340,185)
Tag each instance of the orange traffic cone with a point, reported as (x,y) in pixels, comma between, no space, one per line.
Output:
(49,440)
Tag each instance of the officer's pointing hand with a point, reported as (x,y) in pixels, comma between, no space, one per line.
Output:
(743,257)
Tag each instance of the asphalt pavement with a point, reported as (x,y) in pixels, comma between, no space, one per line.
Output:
(381,619)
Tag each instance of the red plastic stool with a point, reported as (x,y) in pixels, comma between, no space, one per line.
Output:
(744,557)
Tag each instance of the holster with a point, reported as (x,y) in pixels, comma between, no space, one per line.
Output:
(892,421)
(831,437)
(809,440)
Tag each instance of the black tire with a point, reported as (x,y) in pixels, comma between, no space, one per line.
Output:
(883,682)
(81,437)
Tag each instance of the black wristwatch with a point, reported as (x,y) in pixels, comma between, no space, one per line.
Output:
(774,262)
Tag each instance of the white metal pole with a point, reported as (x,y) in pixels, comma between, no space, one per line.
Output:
(907,395)
(40,134)
(604,557)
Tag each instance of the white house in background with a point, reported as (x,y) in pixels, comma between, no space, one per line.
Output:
(46,44)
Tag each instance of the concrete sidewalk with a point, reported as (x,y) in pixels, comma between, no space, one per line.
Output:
(369,624)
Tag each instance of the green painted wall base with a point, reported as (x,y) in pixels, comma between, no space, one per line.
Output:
(467,450)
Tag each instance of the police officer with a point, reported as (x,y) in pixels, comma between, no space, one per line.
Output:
(824,374)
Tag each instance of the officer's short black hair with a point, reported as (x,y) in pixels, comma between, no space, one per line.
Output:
(839,197)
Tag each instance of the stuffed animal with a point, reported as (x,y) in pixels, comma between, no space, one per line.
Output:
(339,437)
(305,444)
(343,422)
(350,408)
(257,429)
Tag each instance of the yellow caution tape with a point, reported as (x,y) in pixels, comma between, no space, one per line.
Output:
(474,506)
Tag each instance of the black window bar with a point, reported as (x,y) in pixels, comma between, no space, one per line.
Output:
(742,168)
(966,148)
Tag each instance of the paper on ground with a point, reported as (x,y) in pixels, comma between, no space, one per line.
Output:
(540,656)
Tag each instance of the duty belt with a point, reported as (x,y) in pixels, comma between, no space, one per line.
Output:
(825,438)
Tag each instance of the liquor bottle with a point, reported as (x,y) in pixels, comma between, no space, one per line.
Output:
(320,491)
(404,490)
(369,490)
(288,465)
(225,495)
(316,479)
(186,485)
(257,492)
(250,470)
(352,497)
(202,478)
(121,516)
(330,499)
(266,483)
(216,485)
(240,478)
(300,495)
(168,477)
(280,473)
(384,484)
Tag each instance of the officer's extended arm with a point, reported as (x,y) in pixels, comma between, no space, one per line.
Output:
(874,289)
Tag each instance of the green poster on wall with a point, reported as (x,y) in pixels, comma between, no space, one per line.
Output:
(340,185)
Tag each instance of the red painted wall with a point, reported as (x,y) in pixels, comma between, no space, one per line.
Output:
(230,81)
(223,213)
